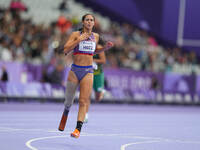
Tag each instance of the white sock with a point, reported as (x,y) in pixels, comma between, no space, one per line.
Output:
(86,116)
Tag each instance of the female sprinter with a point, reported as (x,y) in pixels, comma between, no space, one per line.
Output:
(84,45)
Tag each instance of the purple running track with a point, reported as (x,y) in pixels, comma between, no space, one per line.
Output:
(33,126)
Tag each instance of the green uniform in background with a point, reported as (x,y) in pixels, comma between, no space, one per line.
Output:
(98,83)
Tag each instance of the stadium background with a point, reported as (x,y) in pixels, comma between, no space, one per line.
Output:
(155,58)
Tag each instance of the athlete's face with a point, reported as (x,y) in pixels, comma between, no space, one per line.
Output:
(88,22)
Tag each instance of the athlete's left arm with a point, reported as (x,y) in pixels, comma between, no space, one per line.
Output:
(100,48)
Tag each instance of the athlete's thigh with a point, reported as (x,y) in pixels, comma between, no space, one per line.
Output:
(86,86)
(72,77)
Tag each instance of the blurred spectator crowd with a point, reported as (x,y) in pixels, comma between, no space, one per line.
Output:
(23,41)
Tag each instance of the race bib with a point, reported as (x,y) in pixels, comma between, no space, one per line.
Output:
(87,46)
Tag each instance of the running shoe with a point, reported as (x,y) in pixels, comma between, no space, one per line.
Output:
(75,134)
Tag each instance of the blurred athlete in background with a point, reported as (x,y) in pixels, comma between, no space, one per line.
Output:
(98,83)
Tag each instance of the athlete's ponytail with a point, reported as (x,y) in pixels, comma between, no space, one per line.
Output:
(80,29)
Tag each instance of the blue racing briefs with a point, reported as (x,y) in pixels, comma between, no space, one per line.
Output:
(81,71)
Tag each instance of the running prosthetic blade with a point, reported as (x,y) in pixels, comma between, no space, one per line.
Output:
(62,123)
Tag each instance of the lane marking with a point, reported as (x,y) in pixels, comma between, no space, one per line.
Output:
(28,143)
(8,129)
(153,139)
(123,147)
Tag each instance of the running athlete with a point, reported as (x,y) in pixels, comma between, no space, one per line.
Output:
(98,83)
(83,44)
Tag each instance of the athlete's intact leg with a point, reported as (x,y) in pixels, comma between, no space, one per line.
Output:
(98,86)
(85,92)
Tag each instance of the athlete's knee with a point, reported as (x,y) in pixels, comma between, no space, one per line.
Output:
(68,103)
(84,102)
(99,96)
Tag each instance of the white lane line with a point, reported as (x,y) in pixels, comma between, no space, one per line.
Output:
(28,143)
(8,129)
(142,137)
(123,147)
(186,142)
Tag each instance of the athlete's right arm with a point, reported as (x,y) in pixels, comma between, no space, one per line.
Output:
(71,43)
(74,39)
